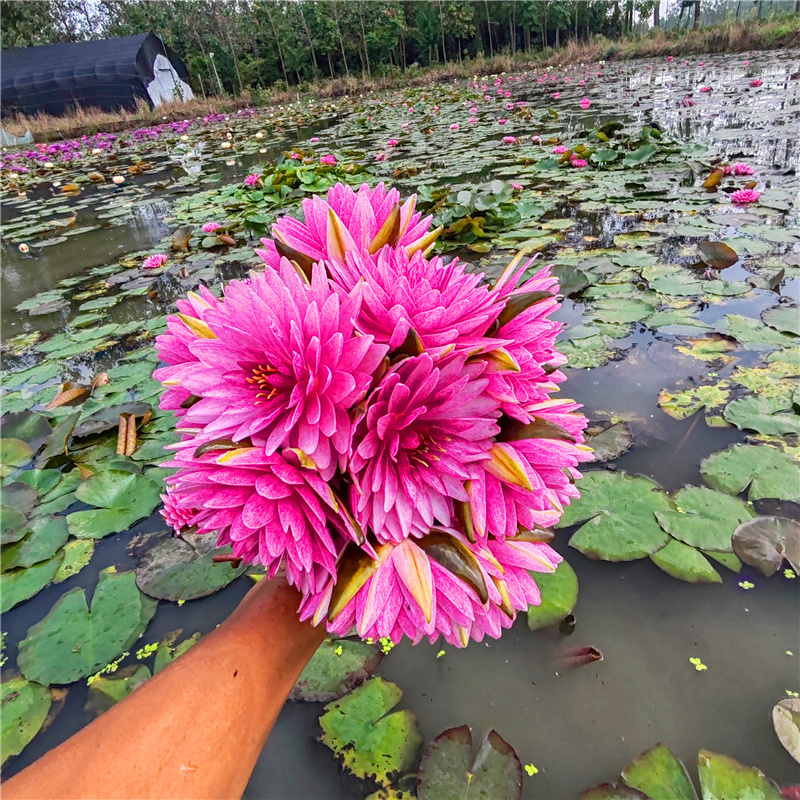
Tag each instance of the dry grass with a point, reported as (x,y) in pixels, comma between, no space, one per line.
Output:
(770,34)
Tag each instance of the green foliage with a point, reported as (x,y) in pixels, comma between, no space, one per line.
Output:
(559,595)
(336,667)
(25,706)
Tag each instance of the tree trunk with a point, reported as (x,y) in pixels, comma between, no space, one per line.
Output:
(341,40)
(278,43)
(577,7)
(558,38)
(514,31)
(330,63)
(441,23)
(696,14)
(545,23)
(657,14)
(489,27)
(235,60)
(364,38)
(310,41)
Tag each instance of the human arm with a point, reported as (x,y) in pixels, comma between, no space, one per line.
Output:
(197,728)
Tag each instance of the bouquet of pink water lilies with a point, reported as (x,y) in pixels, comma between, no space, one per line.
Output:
(376,424)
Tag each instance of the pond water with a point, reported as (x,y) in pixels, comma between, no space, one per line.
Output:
(624,241)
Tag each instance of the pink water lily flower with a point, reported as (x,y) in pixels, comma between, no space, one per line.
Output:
(578,162)
(746,63)
(473,110)
(381,157)
(756,83)
(252,180)
(509,140)
(454,126)
(517,187)
(556,95)
(290,383)
(210,227)
(392,143)
(740,168)
(155,261)
(414,594)
(328,160)
(670,58)
(706,89)
(348,220)
(743,197)
(315,138)
(502,121)
(473,119)
(585,103)
(559,149)
(421,429)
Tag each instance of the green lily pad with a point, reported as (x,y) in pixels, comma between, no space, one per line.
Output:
(764,542)
(765,470)
(660,775)
(56,444)
(586,353)
(336,667)
(763,415)
(77,554)
(28,426)
(786,721)
(106,691)
(755,335)
(685,563)
(183,569)
(168,650)
(610,443)
(681,403)
(14,453)
(448,770)
(22,584)
(620,309)
(370,741)
(704,518)
(122,498)
(18,495)
(723,777)
(612,791)
(25,706)
(12,524)
(559,591)
(619,515)
(46,534)
(72,642)
(783,318)
(713,347)
(42,480)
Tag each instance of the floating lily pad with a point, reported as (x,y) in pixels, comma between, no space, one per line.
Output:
(14,453)
(73,641)
(183,569)
(559,591)
(680,403)
(713,347)
(786,721)
(22,584)
(765,470)
(336,667)
(122,498)
(448,769)
(610,442)
(370,741)
(28,426)
(660,775)
(106,691)
(170,649)
(77,554)
(783,318)
(619,512)
(717,254)
(704,518)
(612,791)
(723,777)
(754,334)
(56,444)
(763,414)
(685,563)
(25,706)
(764,542)
(46,534)
(12,524)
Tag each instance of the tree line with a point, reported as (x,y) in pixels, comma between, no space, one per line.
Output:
(253,44)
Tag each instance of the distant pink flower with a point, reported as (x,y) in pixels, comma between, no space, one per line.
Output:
(508,94)
(155,261)
(705,89)
(743,197)
(740,168)
(670,58)
(509,140)
(473,119)
(726,169)
(509,106)
(411,109)
(566,79)
(578,162)
(502,121)
(294,156)
(436,108)
(454,126)
(391,143)
(687,101)
(746,63)
(210,227)
(756,82)
(252,180)
(328,160)
(517,187)
(560,148)
(315,138)
(701,63)
(582,83)
(585,103)
(536,139)
(556,95)
(381,157)
(473,110)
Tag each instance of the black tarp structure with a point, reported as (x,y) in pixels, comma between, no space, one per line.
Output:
(108,74)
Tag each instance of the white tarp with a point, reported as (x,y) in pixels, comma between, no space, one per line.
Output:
(167,86)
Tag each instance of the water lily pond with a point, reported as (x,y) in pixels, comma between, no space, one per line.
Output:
(665,194)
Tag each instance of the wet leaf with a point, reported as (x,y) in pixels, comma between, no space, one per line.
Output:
(183,569)
(25,706)
(763,543)
(765,470)
(56,444)
(73,641)
(712,347)
(611,442)
(22,584)
(619,516)
(180,238)
(46,534)
(685,563)
(660,775)
(370,741)
(704,518)
(121,498)
(783,318)
(14,453)
(786,721)
(723,777)
(77,554)
(28,426)
(612,791)
(448,769)
(717,254)
(168,651)
(559,591)
(106,691)
(335,669)
(770,415)
(12,524)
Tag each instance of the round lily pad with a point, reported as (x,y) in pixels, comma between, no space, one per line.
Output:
(25,706)
(46,534)
(448,769)
(73,641)
(786,721)
(610,442)
(559,591)
(723,777)
(769,415)
(660,775)
(183,569)
(765,470)
(704,518)
(764,542)
(22,584)
(14,453)
(783,318)
(685,563)
(619,512)
(336,667)
(370,741)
